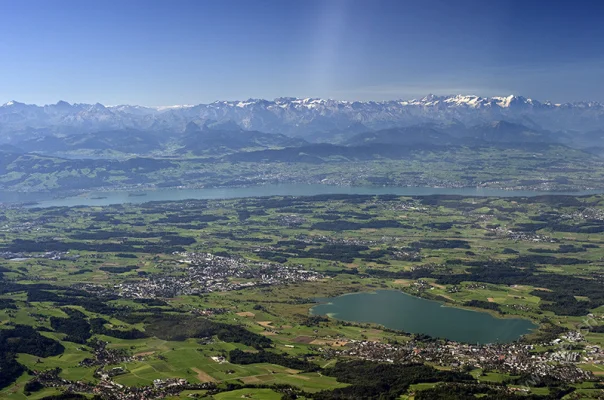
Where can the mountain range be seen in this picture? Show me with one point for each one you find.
(229, 127)
(80, 146)
(300, 117)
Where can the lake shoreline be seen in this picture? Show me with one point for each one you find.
(479, 326)
(444, 303)
(108, 197)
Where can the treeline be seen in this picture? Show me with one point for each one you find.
(440, 244)
(353, 226)
(108, 235)
(118, 269)
(181, 327)
(546, 333)
(334, 252)
(335, 215)
(69, 396)
(151, 302)
(563, 288)
(10, 369)
(184, 218)
(70, 297)
(45, 245)
(521, 269)
(7, 304)
(76, 327)
(441, 226)
(80, 271)
(562, 303)
(552, 222)
(562, 249)
(415, 274)
(244, 215)
(22, 339)
(167, 238)
(487, 305)
(293, 201)
(345, 253)
(126, 255)
(453, 391)
(244, 358)
(32, 386)
(372, 380)
(597, 329)
(551, 260)
(79, 328)
(97, 326)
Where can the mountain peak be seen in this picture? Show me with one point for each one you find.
(192, 127)
(429, 97)
(12, 103)
(504, 124)
(306, 116)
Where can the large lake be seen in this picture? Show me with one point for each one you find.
(397, 310)
(119, 197)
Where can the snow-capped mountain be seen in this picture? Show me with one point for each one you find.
(299, 117)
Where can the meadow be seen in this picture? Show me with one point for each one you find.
(537, 258)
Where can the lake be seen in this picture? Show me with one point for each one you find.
(103, 198)
(397, 310)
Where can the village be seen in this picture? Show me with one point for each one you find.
(49, 255)
(207, 273)
(109, 389)
(510, 358)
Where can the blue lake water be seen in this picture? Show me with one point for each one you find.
(397, 310)
(103, 198)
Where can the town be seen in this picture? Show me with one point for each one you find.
(206, 273)
(512, 358)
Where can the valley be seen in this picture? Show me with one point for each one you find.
(549, 168)
(450, 142)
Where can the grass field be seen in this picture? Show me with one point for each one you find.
(357, 243)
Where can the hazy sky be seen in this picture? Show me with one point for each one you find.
(183, 52)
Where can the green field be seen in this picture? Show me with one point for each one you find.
(536, 258)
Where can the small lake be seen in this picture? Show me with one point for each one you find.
(103, 198)
(397, 310)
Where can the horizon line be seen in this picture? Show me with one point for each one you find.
(293, 98)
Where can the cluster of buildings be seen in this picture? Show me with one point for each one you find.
(22, 226)
(109, 389)
(411, 205)
(588, 213)
(521, 236)
(206, 273)
(104, 356)
(106, 387)
(512, 358)
(291, 220)
(50, 255)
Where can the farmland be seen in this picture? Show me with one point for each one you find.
(212, 297)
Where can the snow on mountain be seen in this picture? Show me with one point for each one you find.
(301, 117)
(175, 107)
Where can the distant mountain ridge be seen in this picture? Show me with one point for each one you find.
(215, 138)
(308, 117)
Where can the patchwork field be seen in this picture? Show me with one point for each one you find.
(129, 298)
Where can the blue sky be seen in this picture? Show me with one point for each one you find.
(184, 52)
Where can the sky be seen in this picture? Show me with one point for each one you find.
(155, 52)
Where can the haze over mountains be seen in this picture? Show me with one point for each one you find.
(225, 127)
(443, 141)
